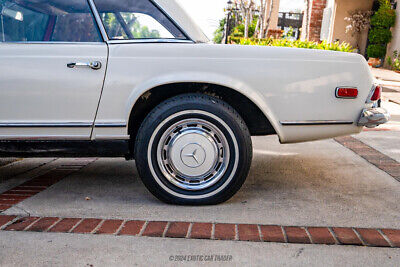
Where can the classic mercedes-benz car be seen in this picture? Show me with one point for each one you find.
(138, 79)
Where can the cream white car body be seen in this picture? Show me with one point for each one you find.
(41, 99)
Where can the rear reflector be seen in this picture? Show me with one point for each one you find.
(346, 92)
(377, 93)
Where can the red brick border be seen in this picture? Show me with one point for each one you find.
(376, 158)
(211, 231)
(40, 183)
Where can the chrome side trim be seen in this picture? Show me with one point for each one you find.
(100, 24)
(110, 125)
(63, 124)
(139, 41)
(44, 125)
(315, 122)
(112, 137)
(44, 137)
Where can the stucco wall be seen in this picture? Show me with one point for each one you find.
(343, 7)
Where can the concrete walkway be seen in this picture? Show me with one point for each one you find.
(47, 249)
(386, 75)
(390, 81)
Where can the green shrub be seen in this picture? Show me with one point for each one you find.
(342, 47)
(219, 33)
(380, 36)
(376, 51)
(238, 31)
(385, 17)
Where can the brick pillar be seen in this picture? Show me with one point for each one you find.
(315, 22)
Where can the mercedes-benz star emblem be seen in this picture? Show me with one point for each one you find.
(193, 155)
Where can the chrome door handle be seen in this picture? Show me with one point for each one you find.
(95, 65)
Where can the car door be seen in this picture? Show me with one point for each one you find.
(52, 68)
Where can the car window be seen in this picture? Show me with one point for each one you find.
(47, 21)
(136, 19)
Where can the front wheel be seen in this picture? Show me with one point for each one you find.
(193, 149)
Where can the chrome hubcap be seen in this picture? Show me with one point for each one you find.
(193, 154)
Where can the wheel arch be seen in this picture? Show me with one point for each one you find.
(258, 122)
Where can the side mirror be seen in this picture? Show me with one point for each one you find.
(12, 14)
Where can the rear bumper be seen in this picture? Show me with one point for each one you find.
(373, 117)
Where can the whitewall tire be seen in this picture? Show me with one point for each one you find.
(193, 149)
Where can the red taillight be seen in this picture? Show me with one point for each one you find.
(377, 93)
(346, 92)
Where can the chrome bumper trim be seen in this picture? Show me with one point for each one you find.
(373, 117)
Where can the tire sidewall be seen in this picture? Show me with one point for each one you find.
(212, 110)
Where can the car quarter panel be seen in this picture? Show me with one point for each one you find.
(286, 84)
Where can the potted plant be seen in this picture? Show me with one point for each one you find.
(380, 34)
(394, 61)
(375, 53)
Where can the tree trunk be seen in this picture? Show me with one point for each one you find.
(256, 32)
(260, 22)
(246, 26)
(306, 34)
(268, 17)
(247, 9)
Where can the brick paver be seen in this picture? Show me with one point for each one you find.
(42, 225)
(248, 232)
(393, 235)
(372, 238)
(21, 224)
(6, 219)
(297, 235)
(86, 226)
(110, 227)
(155, 229)
(321, 235)
(347, 236)
(178, 229)
(65, 225)
(201, 231)
(272, 233)
(132, 228)
(224, 231)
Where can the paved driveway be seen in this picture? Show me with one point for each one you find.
(337, 186)
(288, 185)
